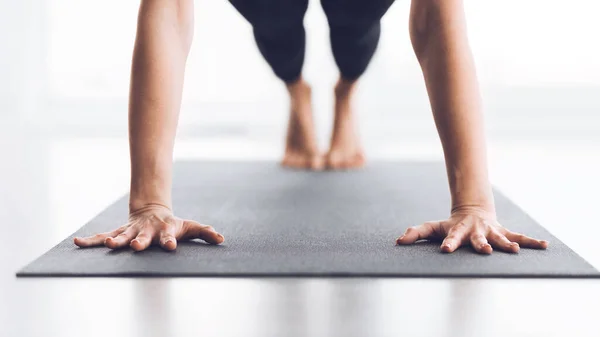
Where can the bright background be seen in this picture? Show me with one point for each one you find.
(68, 64)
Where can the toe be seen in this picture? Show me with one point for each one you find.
(334, 161)
(340, 161)
(298, 161)
(360, 159)
(289, 160)
(355, 161)
(316, 162)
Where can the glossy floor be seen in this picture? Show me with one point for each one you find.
(53, 183)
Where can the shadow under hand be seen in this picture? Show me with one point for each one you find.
(434, 245)
(196, 244)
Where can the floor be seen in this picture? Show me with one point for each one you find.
(52, 183)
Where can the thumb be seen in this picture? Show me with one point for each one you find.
(194, 230)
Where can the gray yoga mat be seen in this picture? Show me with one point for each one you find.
(281, 222)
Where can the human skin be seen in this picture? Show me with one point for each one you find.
(438, 35)
(439, 38)
(163, 40)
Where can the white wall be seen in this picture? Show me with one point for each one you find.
(23, 72)
(78, 56)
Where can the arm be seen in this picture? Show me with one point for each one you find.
(157, 72)
(439, 38)
(438, 34)
(164, 35)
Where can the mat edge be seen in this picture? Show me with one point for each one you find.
(307, 275)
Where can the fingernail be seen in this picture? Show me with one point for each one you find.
(221, 236)
(402, 237)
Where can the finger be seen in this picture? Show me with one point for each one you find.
(456, 237)
(207, 233)
(421, 232)
(96, 240)
(500, 241)
(167, 238)
(141, 241)
(480, 244)
(121, 240)
(525, 241)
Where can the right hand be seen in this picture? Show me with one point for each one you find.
(153, 224)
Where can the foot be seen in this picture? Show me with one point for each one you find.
(345, 151)
(301, 150)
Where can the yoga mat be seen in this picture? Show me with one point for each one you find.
(279, 222)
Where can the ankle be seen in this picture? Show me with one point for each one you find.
(344, 88)
(298, 87)
(300, 96)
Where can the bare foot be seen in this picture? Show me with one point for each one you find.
(345, 151)
(301, 150)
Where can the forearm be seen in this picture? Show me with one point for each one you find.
(159, 57)
(439, 36)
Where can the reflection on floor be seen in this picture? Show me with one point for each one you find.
(51, 185)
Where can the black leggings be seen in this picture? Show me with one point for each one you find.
(278, 25)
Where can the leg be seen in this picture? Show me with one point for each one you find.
(279, 33)
(355, 28)
(280, 36)
(354, 31)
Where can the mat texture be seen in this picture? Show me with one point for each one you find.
(293, 223)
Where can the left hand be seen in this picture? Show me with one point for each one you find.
(474, 226)
(152, 224)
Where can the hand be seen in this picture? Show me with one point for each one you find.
(153, 224)
(473, 226)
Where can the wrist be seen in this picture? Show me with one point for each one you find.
(149, 189)
(479, 198)
(138, 208)
(474, 208)
(144, 196)
(137, 205)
